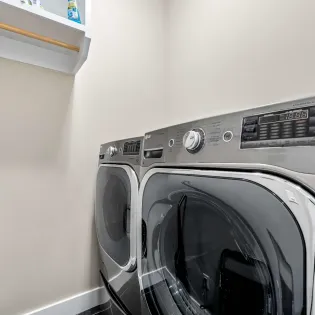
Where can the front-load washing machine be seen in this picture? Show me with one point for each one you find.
(228, 211)
(115, 217)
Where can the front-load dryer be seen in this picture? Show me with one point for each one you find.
(115, 217)
(228, 212)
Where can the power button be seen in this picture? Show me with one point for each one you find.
(171, 143)
(228, 136)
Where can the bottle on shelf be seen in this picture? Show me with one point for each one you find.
(73, 11)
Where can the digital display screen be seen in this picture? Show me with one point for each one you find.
(287, 116)
(268, 119)
(132, 148)
(298, 114)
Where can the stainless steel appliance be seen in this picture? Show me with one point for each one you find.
(115, 217)
(227, 214)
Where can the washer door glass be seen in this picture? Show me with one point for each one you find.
(112, 212)
(220, 245)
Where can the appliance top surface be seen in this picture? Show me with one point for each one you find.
(280, 135)
(125, 151)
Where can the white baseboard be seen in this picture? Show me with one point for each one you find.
(74, 304)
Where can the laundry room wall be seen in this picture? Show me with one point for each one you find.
(51, 128)
(230, 55)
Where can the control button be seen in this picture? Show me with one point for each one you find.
(287, 132)
(227, 136)
(249, 136)
(302, 122)
(301, 128)
(250, 128)
(250, 120)
(193, 140)
(287, 135)
(311, 131)
(287, 126)
(312, 111)
(274, 130)
(111, 151)
(171, 142)
(300, 135)
(263, 130)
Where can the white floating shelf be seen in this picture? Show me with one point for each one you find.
(44, 38)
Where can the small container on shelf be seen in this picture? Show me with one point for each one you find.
(37, 3)
(73, 11)
(26, 2)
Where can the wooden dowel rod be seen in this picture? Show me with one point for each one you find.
(38, 37)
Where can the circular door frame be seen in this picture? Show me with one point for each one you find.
(134, 186)
(271, 182)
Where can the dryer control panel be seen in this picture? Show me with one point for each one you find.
(281, 135)
(122, 151)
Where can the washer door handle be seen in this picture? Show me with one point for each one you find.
(144, 239)
(125, 219)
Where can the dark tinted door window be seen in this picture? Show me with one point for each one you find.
(113, 196)
(220, 246)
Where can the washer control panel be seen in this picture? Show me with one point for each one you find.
(281, 135)
(122, 151)
(295, 127)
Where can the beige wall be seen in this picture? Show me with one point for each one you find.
(228, 55)
(51, 128)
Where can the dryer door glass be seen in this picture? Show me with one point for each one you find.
(112, 212)
(220, 245)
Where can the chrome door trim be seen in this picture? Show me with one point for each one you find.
(305, 179)
(304, 213)
(134, 185)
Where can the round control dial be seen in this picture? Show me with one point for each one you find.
(193, 140)
(111, 151)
